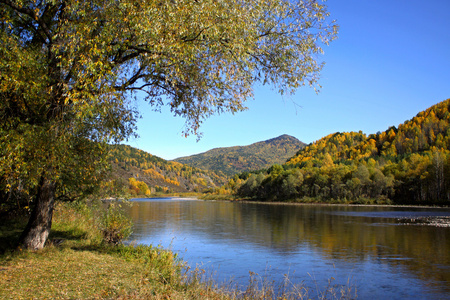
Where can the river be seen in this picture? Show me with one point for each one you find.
(362, 247)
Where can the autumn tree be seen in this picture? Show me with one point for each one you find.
(69, 69)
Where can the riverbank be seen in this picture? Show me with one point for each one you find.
(230, 198)
(78, 264)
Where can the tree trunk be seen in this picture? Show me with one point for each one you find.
(38, 228)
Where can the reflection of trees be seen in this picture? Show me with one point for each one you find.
(327, 229)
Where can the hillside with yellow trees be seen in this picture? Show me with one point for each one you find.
(140, 173)
(408, 164)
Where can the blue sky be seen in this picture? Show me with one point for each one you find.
(390, 61)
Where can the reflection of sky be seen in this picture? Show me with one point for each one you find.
(232, 255)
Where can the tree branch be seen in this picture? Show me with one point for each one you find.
(31, 14)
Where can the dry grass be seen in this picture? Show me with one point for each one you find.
(67, 274)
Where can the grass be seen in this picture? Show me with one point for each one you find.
(67, 274)
(78, 264)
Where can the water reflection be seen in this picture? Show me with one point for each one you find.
(365, 243)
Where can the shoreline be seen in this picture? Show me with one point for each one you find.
(193, 198)
(340, 204)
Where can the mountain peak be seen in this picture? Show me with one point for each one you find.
(259, 155)
(283, 137)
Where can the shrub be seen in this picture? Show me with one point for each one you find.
(115, 226)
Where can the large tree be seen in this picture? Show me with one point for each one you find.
(69, 70)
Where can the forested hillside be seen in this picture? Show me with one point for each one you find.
(408, 164)
(141, 173)
(232, 160)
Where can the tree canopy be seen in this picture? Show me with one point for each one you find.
(69, 70)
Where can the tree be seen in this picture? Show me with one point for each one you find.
(69, 69)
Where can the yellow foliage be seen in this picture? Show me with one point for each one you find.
(138, 187)
(153, 174)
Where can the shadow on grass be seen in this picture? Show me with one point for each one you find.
(67, 234)
(91, 247)
(10, 231)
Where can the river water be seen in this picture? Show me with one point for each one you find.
(358, 246)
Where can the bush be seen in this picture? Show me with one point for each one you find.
(115, 226)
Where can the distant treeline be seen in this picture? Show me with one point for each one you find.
(405, 165)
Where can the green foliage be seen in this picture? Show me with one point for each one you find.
(408, 164)
(232, 160)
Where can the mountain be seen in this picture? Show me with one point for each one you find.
(143, 173)
(232, 160)
(408, 164)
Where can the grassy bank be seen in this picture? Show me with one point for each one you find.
(78, 264)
